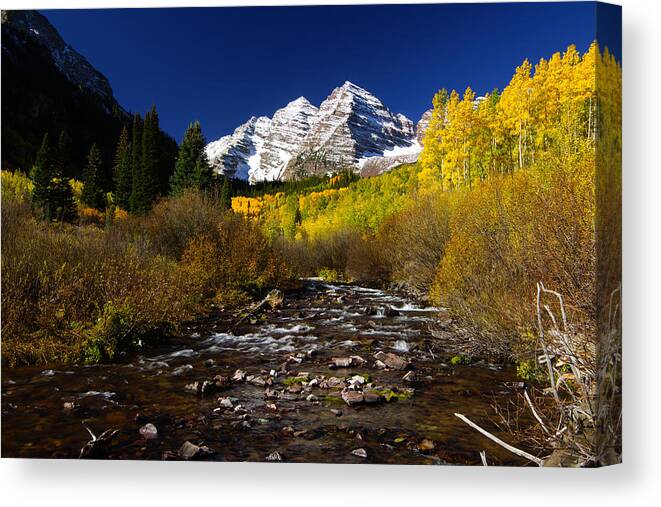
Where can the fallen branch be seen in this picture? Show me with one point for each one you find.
(97, 447)
(497, 440)
(534, 412)
(483, 457)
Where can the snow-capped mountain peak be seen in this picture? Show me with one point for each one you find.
(350, 126)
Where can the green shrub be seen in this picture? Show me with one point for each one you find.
(329, 275)
(530, 372)
(460, 360)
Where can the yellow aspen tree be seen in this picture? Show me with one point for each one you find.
(431, 158)
(515, 107)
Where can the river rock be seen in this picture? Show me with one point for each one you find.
(427, 445)
(271, 394)
(362, 453)
(221, 381)
(188, 451)
(341, 362)
(372, 397)
(239, 376)
(356, 382)
(69, 406)
(149, 431)
(391, 360)
(295, 388)
(258, 381)
(274, 456)
(352, 397)
(331, 383)
(225, 403)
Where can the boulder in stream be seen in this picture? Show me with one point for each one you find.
(352, 397)
(392, 361)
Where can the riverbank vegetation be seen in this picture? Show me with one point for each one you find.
(502, 197)
(86, 292)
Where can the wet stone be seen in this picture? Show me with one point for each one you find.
(274, 456)
(427, 445)
(360, 452)
(392, 361)
(149, 431)
(188, 451)
(372, 397)
(69, 406)
(352, 397)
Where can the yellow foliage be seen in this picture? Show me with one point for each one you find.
(16, 184)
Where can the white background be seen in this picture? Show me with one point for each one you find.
(636, 482)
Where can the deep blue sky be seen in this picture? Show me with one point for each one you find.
(223, 65)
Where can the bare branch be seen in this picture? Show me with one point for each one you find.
(497, 440)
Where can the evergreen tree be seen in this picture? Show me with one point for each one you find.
(145, 179)
(192, 168)
(63, 155)
(122, 171)
(62, 201)
(93, 194)
(42, 174)
(225, 199)
(136, 162)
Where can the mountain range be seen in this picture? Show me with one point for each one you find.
(47, 86)
(351, 128)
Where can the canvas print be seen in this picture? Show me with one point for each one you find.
(341, 234)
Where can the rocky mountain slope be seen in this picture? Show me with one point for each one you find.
(47, 86)
(350, 128)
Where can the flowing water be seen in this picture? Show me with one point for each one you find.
(43, 409)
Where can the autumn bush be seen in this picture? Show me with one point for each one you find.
(507, 234)
(85, 293)
(412, 242)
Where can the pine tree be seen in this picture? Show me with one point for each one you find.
(61, 193)
(122, 173)
(145, 178)
(136, 162)
(42, 174)
(225, 199)
(192, 168)
(93, 194)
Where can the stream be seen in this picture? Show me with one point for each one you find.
(287, 402)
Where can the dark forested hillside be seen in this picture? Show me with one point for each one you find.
(47, 87)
